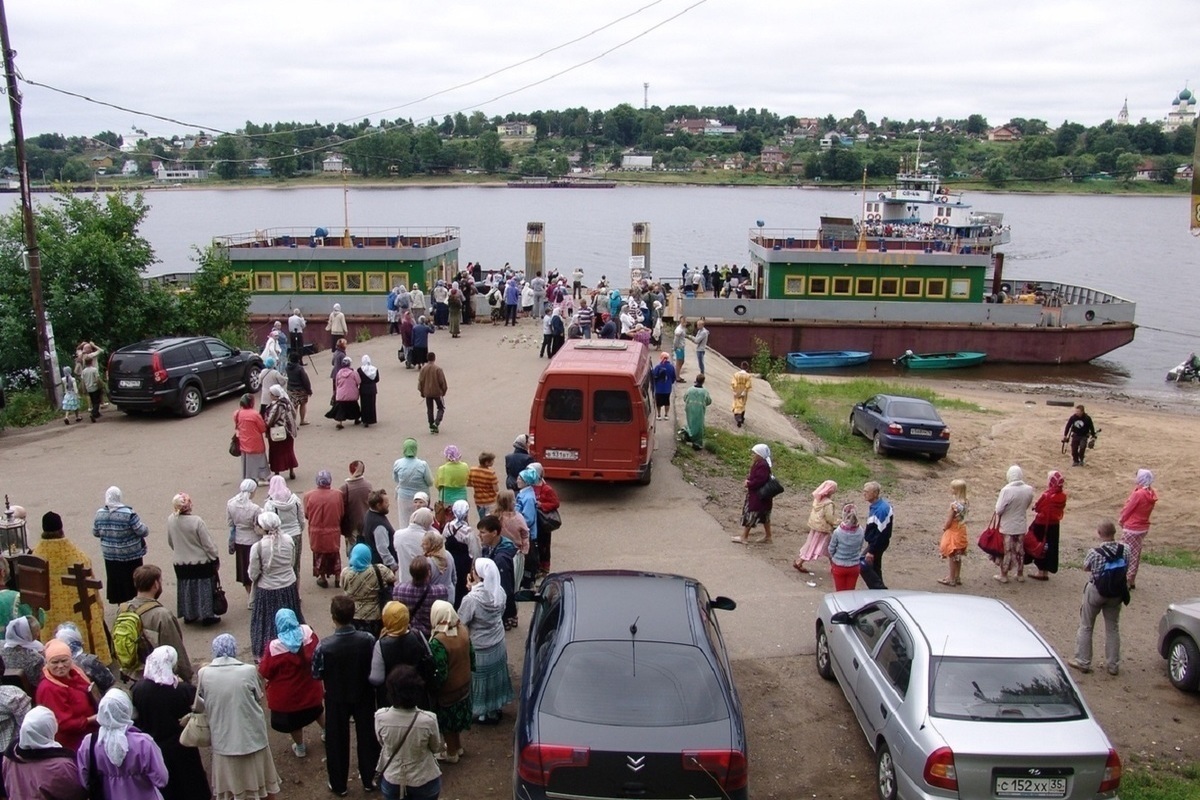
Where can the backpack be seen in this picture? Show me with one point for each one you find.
(1112, 581)
(131, 643)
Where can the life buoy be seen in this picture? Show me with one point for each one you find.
(740, 310)
(941, 198)
(882, 196)
(1089, 315)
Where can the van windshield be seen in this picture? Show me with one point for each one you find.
(612, 405)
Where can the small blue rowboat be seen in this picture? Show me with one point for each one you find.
(949, 360)
(826, 359)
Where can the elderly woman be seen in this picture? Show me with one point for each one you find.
(66, 690)
(122, 536)
(453, 663)
(411, 475)
(481, 611)
(845, 550)
(451, 481)
(69, 634)
(1135, 521)
(1012, 507)
(283, 501)
(368, 391)
(241, 515)
(299, 385)
(756, 510)
(250, 430)
(399, 644)
(196, 562)
(282, 428)
(338, 355)
(442, 569)
(366, 583)
(295, 698)
(121, 759)
(161, 701)
(324, 508)
(527, 507)
(1048, 513)
(822, 519)
(231, 694)
(23, 650)
(408, 739)
(270, 377)
(345, 395)
(336, 325)
(463, 545)
(547, 501)
(38, 766)
(274, 581)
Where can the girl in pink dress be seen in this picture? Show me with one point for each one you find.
(821, 522)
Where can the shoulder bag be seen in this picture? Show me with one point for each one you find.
(379, 772)
(771, 489)
(196, 732)
(235, 449)
(1034, 547)
(991, 541)
(220, 603)
(279, 432)
(548, 521)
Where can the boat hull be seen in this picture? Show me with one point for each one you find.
(955, 360)
(826, 359)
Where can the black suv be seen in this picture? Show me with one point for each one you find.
(179, 373)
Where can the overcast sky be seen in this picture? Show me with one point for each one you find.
(214, 64)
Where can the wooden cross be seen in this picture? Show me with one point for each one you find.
(81, 578)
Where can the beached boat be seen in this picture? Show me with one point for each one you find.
(560, 183)
(918, 268)
(826, 359)
(950, 360)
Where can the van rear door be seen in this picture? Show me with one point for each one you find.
(561, 433)
(613, 431)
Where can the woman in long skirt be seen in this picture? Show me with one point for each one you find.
(453, 660)
(821, 521)
(195, 561)
(481, 611)
(368, 389)
(1048, 510)
(281, 415)
(161, 700)
(274, 581)
(241, 514)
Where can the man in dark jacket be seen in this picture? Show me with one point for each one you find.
(877, 535)
(343, 662)
(516, 461)
(1079, 429)
(503, 552)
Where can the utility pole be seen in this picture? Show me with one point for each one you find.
(645, 95)
(33, 257)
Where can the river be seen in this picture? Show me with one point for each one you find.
(1135, 247)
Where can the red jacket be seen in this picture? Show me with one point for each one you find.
(290, 682)
(72, 705)
(1135, 516)
(547, 498)
(1050, 507)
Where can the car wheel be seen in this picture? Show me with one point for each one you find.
(824, 667)
(1183, 663)
(191, 400)
(936, 456)
(644, 480)
(885, 773)
(253, 378)
(877, 445)
(853, 429)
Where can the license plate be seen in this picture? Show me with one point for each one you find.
(919, 432)
(562, 455)
(1031, 787)
(130, 384)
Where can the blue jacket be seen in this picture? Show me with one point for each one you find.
(664, 377)
(527, 507)
(420, 335)
(878, 532)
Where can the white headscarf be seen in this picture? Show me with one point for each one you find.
(246, 489)
(115, 715)
(764, 452)
(18, 634)
(368, 368)
(112, 498)
(1015, 475)
(489, 573)
(271, 524)
(38, 730)
(160, 666)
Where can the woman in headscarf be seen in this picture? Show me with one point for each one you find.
(368, 390)
(70, 401)
(274, 581)
(271, 347)
(38, 766)
(281, 500)
(122, 536)
(516, 461)
(161, 701)
(1048, 513)
(241, 515)
(845, 550)
(547, 501)
(345, 395)
(66, 690)
(367, 584)
(756, 510)
(822, 518)
(527, 508)
(282, 428)
(69, 634)
(232, 694)
(1012, 506)
(411, 475)
(336, 325)
(299, 385)
(356, 493)
(442, 569)
(251, 431)
(128, 764)
(196, 561)
(324, 508)
(398, 644)
(696, 401)
(463, 545)
(23, 650)
(455, 304)
(417, 298)
(453, 663)
(1135, 521)
(269, 378)
(407, 323)
(481, 611)
(452, 477)
(294, 697)
(408, 740)
(335, 366)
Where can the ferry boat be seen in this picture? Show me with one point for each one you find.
(918, 269)
(560, 183)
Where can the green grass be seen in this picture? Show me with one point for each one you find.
(1178, 558)
(1171, 783)
(26, 408)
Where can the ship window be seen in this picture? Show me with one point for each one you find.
(377, 282)
(864, 286)
(308, 281)
(912, 287)
(960, 289)
(331, 282)
(841, 286)
(399, 279)
(889, 287)
(242, 279)
(935, 287)
(354, 281)
(818, 285)
(285, 282)
(264, 281)
(793, 284)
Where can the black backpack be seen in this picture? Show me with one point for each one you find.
(1113, 580)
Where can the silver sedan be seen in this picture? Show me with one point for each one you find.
(960, 697)
(1178, 635)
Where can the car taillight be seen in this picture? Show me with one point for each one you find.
(160, 374)
(539, 760)
(529, 444)
(642, 442)
(727, 767)
(895, 429)
(939, 769)
(945, 434)
(1112, 773)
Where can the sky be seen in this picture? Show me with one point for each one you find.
(214, 64)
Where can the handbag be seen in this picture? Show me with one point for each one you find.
(548, 521)
(235, 449)
(771, 489)
(278, 432)
(396, 752)
(196, 732)
(1034, 547)
(991, 541)
(220, 603)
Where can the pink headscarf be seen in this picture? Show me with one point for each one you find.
(1055, 480)
(278, 489)
(826, 489)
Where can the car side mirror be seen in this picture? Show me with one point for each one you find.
(721, 603)
(841, 618)
(527, 596)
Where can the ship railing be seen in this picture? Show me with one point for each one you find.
(372, 237)
(1054, 293)
(925, 239)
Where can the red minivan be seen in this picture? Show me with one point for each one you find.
(593, 417)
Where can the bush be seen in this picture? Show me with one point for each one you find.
(363, 335)
(764, 364)
(26, 407)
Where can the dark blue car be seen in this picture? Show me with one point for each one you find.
(901, 424)
(627, 692)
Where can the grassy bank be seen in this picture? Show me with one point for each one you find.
(1172, 782)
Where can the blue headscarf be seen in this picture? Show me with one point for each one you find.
(360, 558)
(269, 362)
(287, 630)
(224, 646)
(528, 475)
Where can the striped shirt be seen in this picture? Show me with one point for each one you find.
(121, 532)
(485, 484)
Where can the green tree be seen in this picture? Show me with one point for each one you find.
(215, 301)
(491, 152)
(1185, 141)
(621, 125)
(1166, 170)
(996, 171)
(228, 151)
(1126, 165)
(76, 171)
(977, 125)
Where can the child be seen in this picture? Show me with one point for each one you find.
(70, 401)
(483, 481)
(954, 533)
(821, 522)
